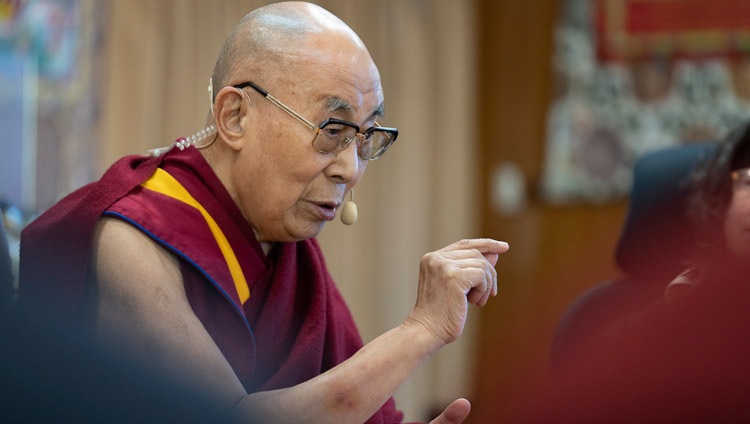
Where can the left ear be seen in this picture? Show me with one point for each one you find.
(231, 109)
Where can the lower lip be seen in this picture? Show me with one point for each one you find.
(326, 214)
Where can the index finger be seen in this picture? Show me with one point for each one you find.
(484, 245)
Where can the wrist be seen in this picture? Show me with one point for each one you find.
(422, 335)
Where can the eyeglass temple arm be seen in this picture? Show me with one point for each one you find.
(273, 100)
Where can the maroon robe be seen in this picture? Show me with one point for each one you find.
(295, 324)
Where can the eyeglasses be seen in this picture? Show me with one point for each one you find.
(741, 179)
(333, 135)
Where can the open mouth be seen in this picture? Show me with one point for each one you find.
(326, 210)
(327, 206)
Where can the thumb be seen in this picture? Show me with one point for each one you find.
(491, 258)
(455, 413)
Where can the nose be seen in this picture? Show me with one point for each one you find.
(346, 164)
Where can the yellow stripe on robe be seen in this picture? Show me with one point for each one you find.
(162, 182)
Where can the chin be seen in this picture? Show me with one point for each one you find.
(304, 231)
(312, 232)
(289, 231)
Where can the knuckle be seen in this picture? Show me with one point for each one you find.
(429, 258)
(463, 244)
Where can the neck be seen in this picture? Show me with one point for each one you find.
(266, 246)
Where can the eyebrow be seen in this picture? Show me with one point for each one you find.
(335, 104)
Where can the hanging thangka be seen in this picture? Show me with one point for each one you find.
(49, 97)
(633, 76)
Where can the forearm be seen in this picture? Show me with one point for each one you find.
(352, 391)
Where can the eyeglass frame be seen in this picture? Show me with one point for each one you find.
(738, 174)
(391, 132)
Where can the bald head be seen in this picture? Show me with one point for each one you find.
(268, 39)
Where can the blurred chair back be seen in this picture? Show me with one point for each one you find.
(656, 238)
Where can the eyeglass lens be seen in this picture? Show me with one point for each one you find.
(742, 179)
(334, 137)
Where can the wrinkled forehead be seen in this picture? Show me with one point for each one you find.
(335, 72)
(350, 93)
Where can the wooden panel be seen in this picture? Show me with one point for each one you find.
(556, 252)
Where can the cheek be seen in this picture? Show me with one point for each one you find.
(737, 225)
(289, 150)
(361, 171)
(279, 155)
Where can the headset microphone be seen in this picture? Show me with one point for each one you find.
(349, 212)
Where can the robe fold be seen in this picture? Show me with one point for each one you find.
(278, 319)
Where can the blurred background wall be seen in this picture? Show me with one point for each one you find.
(495, 101)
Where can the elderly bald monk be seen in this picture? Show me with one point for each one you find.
(202, 259)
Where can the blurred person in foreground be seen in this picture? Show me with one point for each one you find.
(684, 358)
(202, 259)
